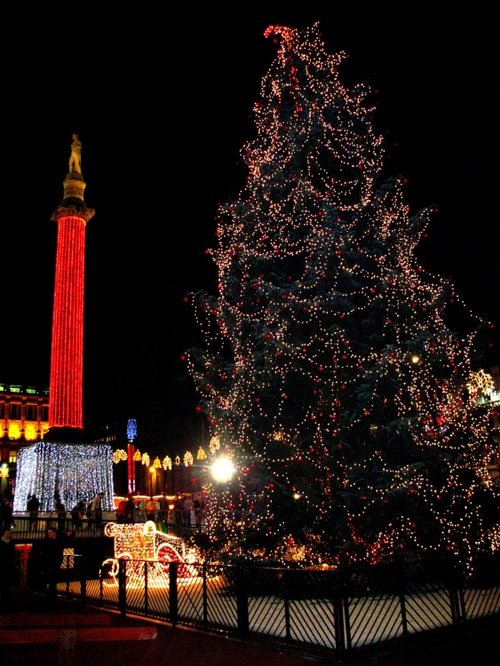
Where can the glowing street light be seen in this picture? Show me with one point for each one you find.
(151, 471)
(222, 469)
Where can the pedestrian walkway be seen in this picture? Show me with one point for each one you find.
(474, 644)
(171, 646)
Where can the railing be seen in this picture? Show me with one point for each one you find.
(26, 530)
(316, 611)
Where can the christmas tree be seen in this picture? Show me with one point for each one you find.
(331, 376)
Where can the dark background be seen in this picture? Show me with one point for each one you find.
(161, 98)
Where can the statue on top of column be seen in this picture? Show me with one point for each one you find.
(75, 160)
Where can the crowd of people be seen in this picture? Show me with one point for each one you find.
(83, 511)
(183, 511)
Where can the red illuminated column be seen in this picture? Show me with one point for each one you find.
(131, 467)
(66, 369)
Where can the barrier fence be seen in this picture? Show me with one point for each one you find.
(26, 529)
(314, 610)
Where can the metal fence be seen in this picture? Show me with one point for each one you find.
(26, 529)
(321, 611)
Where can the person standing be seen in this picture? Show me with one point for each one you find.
(77, 514)
(178, 509)
(130, 510)
(61, 514)
(141, 510)
(187, 507)
(52, 557)
(33, 506)
(96, 510)
(198, 507)
(121, 511)
(151, 509)
(6, 516)
(9, 570)
(162, 513)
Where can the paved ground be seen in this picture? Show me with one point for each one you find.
(475, 644)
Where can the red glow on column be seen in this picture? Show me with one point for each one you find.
(66, 372)
(131, 468)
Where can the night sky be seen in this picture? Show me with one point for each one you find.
(162, 103)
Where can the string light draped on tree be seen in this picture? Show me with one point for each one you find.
(330, 376)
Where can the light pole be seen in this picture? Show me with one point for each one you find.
(222, 469)
(151, 472)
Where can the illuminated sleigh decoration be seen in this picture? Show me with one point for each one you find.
(149, 553)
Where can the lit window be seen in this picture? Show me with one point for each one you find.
(14, 430)
(30, 432)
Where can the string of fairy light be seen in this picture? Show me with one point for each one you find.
(74, 471)
(166, 463)
(320, 294)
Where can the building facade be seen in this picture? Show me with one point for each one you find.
(24, 418)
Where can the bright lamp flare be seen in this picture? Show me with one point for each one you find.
(222, 469)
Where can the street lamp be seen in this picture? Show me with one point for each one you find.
(222, 469)
(4, 474)
(151, 471)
